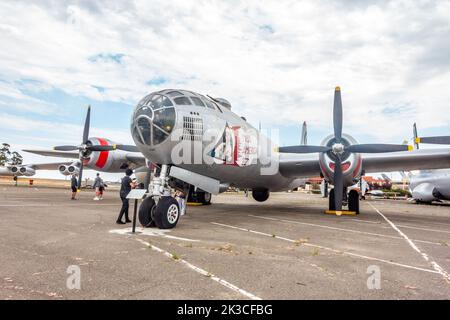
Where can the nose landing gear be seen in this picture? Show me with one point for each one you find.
(160, 209)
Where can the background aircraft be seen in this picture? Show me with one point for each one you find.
(173, 122)
(429, 185)
(29, 170)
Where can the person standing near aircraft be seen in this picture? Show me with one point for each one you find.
(98, 186)
(74, 186)
(125, 188)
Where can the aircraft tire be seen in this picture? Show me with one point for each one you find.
(146, 212)
(353, 201)
(205, 198)
(260, 195)
(331, 205)
(167, 213)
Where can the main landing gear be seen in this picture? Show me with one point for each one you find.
(351, 199)
(160, 209)
(198, 196)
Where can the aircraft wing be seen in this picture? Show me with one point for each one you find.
(46, 166)
(299, 165)
(405, 161)
(307, 165)
(137, 159)
(54, 153)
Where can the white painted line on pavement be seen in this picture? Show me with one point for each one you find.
(342, 229)
(404, 226)
(433, 263)
(326, 248)
(202, 271)
(150, 232)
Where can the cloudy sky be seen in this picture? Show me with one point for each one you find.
(277, 62)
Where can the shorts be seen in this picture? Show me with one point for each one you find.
(74, 189)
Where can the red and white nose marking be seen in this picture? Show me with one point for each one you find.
(103, 156)
(345, 166)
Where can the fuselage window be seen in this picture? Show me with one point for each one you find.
(197, 101)
(182, 101)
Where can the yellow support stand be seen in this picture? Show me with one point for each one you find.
(338, 213)
(194, 204)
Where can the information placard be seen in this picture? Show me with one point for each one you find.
(137, 194)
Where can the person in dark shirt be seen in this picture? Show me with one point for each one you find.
(125, 188)
(74, 186)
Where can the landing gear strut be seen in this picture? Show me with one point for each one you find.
(352, 199)
(160, 209)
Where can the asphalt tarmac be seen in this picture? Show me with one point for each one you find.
(285, 248)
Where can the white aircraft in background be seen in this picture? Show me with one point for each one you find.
(427, 186)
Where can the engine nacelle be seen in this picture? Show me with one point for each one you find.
(425, 192)
(351, 162)
(100, 160)
(23, 171)
(69, 170)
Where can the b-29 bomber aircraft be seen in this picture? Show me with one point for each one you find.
(198, 140)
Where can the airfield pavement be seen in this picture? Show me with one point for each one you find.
(236, 248)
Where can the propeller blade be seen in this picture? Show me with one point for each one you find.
(101, 148)
(377, 148)
(303, 149)
(80, 176)
(126, 147)
(415, 136)
(87, 124)
(304, 137)
(338, 184)
(434, 140)
(337, 114)
(66, 148)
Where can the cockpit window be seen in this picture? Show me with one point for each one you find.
(154, 121)
(174, 94)
(209, 104)
(197, 101)
(182, 101)
(166, 102)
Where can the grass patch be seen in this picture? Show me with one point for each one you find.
(299, 242)
(315, 252)
(175, 256)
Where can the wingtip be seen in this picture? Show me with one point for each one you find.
(337, 89)
(410, 148)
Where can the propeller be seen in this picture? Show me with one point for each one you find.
(429, 140)
(415, 136)
(433, 140)
(87, 146)
(338, 148)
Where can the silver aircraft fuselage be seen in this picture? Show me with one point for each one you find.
(431, 185)
(168, 124)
